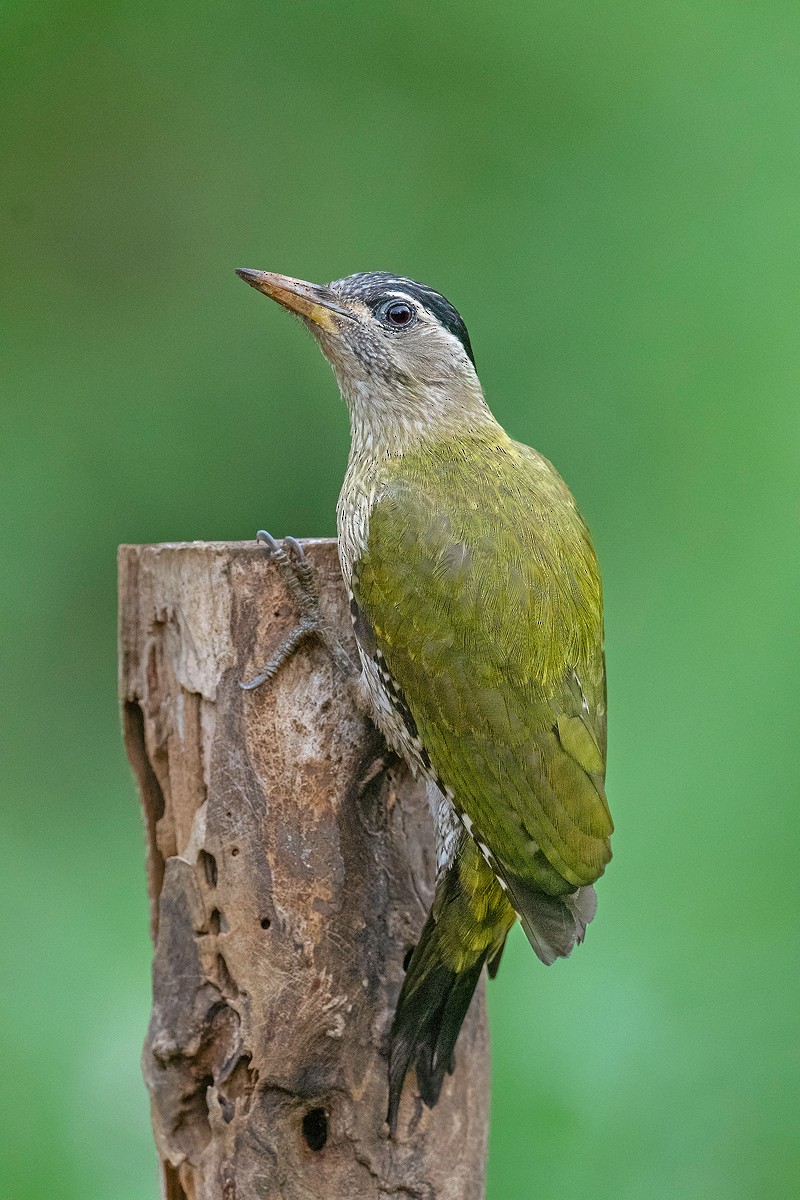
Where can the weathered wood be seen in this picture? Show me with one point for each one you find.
(290, 871)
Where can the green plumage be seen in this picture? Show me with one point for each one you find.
(481, 586)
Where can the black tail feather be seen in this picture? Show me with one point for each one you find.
(430, 1012)
(435, 995)
(493, 965)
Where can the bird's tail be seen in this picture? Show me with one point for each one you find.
(468, 922)
(553, 925)
(467, 925)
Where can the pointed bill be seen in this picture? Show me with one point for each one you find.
(314, 302)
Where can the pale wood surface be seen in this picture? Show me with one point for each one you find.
(289, 872)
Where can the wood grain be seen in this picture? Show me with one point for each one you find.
(290, 868)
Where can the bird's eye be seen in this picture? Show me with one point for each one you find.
(398, 314)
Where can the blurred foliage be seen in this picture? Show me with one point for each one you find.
(609, 193)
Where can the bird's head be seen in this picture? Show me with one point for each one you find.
(400, 352)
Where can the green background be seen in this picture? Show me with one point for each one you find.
(609, 193)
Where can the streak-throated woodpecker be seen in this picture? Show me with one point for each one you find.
(477, 608)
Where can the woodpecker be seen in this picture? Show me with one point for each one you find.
(477, 608)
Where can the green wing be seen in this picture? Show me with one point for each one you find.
(481, 585)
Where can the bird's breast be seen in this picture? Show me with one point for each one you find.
(357, 499)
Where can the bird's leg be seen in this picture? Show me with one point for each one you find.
(299, 578)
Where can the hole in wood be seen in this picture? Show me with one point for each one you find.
(237, 1082)
(227, 983)
(315, 1128)
(173, 1187)
(265, 922)
(209, 865)
(152, 795)
(153, 802)
(234, 851)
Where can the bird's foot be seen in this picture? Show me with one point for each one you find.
(298, 575)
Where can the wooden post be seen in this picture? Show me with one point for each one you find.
(290, 870)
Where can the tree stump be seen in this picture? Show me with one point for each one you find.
(290, 868)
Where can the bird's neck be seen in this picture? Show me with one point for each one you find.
(390, 426)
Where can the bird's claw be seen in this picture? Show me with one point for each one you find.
(291, 560)
(266, 539)
(276, 550)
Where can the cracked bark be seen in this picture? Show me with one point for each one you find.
(287, 879)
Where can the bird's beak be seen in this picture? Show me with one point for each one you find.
(310, 300)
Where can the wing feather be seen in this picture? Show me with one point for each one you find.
(482, 588)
